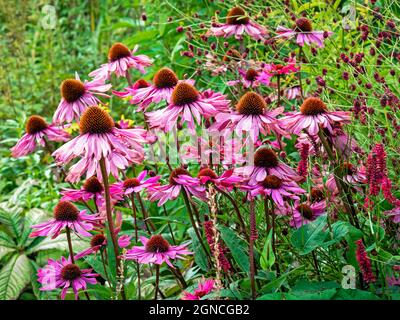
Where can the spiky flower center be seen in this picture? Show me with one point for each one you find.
(72, 90)
(272, 182)
(35, 124)
(207, 172)
(251, 103)
(66, 211)
(95, 120)
(175, 173)
(157, 244)
(118, 51)
(131, 183)
(237, 16)
(165, 78)
(313, 106)
(303, 25)
(184, 93)
(317, 194)
(97, 240)
(93, 185)
(251, 75)
(70, 272)
(141, 83)
(305, 211)
(265, 158)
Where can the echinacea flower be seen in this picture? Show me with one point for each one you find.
(293, 92)
(130, 93)
(164, 82)
(267, 163)
(133, 185)
(124, 241)
(248, 78)
(98, 242)
(304, 34)
(350, 174)
(185, 102)
(237, 23)
(120, 60)
(216, 99)
(227, 180)
(179, 179)
(156, 250)
(275, 188)
(99, 138)
(251, 116)
(304, 213)
(204, 287)
(66, 214)
(91, 189)
(64, 274)
(271, 70)
(313, 114)
(37, 131)
(76, 96)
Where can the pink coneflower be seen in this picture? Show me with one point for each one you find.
(266, 163)
(271, 70)
(130, 92)
(179, 178)
(313, 113)
(99, 138)
(37, 131)
(204, 287)
(156, 250)
(276, 188)
(164, 82)
(91, 189)
(133, 185)
(120, 60)
(293, 92)
(216, 99)
(304, 213)
(124, 241)
(248, 78)
(66, 214)
(237, 23)
(185, 102)
(351, 174)
(76, 96)
(304, 33)
(226, 181)
(64, 274)
(98, 242)
(364, 263)
(251, 116)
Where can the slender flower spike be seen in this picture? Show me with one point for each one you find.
(238, 23)
(304, 34)
(64, 275)
(364, 262)
(179, 178)
(133, 185)
(304, 213)
(204, 287)
(267, 163)
(66, 214)
(91, 189)
(37, 130)
(120, 60)
(276, 188)
(76, 96)
(185, 102)
(313, 114)
(251, 116)
(156, 250)
(100, 138)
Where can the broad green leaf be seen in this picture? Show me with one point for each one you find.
(200, 257)
(267, 258)
(11, 218)
(14, 277)
(307, 290)
(238, 248)
(354, 294)
(32, 217)
(275, 284)
(340, 230)
(78, 244)
(310, 236)
(95, 262)
(310, 5)
(5, 250)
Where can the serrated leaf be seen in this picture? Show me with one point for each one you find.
(14, 277)
(237, 247)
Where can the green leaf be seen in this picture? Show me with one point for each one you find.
(11, 218)
(267, 258)
(97, 265)
(307, 290)
(237, 246)
(340, 230)
(354, 294)
(14, 277)
(310, 236)
(200, 257)
(275, 284)
(59, 243)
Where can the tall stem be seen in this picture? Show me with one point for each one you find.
(157, 280)
(147, 221)
(253, 237)
(71, 252)
(128, 78)
(110, 221)
(273, 215)
(136, 240)
(299, 73)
